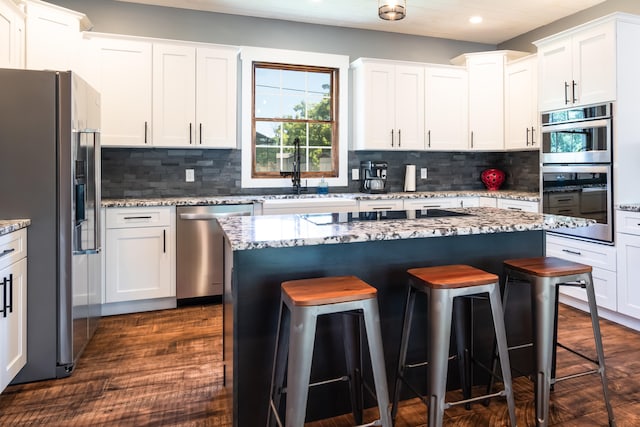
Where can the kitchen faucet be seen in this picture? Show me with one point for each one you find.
(295, 174)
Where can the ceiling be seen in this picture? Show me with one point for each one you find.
(502, 19)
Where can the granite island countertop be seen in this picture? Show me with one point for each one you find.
(232, 200)
(10, 225)
(629, 207)
(274, 231)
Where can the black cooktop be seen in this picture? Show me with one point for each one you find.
(336, 218)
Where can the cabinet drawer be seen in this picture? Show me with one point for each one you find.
(380, 205)
(563, 199)
(518, 205)
(138, 217)
(593, 254)
(432, 203)
(628, 222)
(13, 247)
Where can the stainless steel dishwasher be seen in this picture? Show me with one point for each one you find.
(199, 242)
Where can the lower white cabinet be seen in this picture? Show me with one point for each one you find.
(628, 244)
(13, 308)
(140, 254)
(603, 260)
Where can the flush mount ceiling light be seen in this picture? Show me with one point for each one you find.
(392, 10)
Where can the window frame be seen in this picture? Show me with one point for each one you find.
(251, 55)
(335, 124)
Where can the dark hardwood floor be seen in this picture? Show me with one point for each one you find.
(164, 368)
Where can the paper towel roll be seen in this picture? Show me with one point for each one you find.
(410, 178)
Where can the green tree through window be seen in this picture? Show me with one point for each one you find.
(294, 102)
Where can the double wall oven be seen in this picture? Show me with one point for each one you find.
(576, 174)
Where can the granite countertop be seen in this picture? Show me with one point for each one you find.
(10, 225)
(629, 207)
(273, 231)
(233, 200)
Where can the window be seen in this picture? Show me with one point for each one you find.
(288, 95)
(294, 103)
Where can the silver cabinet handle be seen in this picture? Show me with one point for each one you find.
(514, 209)
(471, 139)
(146, 127)
(190, 134)
(392, 137)
(399, 137)
(532, 138)
(429, 138)
(200, 133)
(382, 208)
(137, 217)
(573, 91)
(527, 137)
(164, 241)
(566, 95)
(7, 252)
(572, 252)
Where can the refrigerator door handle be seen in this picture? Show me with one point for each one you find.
(88, 194)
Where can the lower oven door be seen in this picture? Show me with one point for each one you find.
(583, 191)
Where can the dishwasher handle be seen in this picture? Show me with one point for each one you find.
(209, 216)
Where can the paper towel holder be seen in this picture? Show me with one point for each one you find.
(410, 178)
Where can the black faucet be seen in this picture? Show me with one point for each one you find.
(295, 174)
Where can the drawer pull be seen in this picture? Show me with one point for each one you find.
(514, 209)
(572, 252)
(137, 217)
(565, 200)
(7, 252)
(382, 208)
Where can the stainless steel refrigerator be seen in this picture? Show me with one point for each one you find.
(50, 173)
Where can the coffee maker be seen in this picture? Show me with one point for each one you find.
(373, 176)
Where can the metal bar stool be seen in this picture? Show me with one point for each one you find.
(442, 284)
(545, 274)
(302, 302)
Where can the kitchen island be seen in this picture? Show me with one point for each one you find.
(263, 251)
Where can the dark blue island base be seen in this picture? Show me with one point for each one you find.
(252, 302)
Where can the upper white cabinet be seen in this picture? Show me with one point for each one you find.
(521, 104)
(11, 35)
(446, 111)
(53, 38)
(194, 96)
(123, 76)
(388, 105)
(578, 67)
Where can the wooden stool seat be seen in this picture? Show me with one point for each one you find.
(547, 266)
(452, 276)
(327, 290)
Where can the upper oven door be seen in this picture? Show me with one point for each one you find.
(577, 142)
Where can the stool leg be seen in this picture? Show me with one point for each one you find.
(543, 299)
(404, 344)
(353, 355)
(302, 337)
(279, 364)
(376, 351)
(494, 354)
(440, 313)
(501, 341)
(461, 327)
(593, 309)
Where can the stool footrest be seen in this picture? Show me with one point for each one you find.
(475, 399)
(343, 378)
(579, 374)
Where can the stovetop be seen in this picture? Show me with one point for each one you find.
(337, 218)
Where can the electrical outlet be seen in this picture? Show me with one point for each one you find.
(423, 173)
(189, 175)
(355, 174)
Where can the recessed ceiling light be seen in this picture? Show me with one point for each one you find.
(475, 19)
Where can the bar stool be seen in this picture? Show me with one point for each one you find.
(545, 274)
(442, 284)
(302, 301)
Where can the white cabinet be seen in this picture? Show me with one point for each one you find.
(11, 35)
(603, 260)
(628, 245)
(123, 77)
(518, 205)
(13, 311)
(194, 96)
(521, 104)
(389, 105)
(53, 38)
(578, 67)
(139, 254)
(446, 108)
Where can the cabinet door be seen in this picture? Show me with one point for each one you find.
(13, 327)
(486, 102)
(521, 107)
(594, 65)
(554, 67)
(446, 108)
(216, 97)
(138, 264)
(11, 36)
(124, 77)
(379, 104)
(604, 285)
(409, 111)
(628, 272)
(174, 89)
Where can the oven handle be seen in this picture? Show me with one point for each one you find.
(576, 125)
(573, 168)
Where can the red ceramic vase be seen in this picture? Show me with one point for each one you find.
(492, 179)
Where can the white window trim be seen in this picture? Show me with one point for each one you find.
(249, 55)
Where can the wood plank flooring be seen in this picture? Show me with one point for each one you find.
(164, 369)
